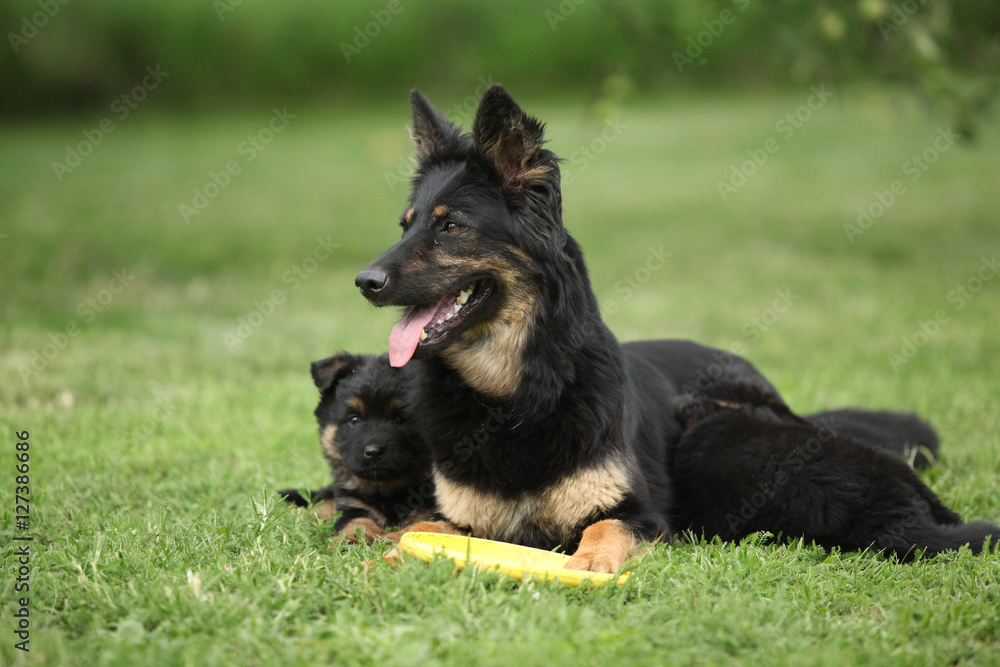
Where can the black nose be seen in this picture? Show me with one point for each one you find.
(374, 451)
(371, 281)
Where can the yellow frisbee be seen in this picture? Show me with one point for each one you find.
(513, 560)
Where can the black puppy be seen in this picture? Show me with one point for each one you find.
(902, 434)
(381, 468)
(748, 464)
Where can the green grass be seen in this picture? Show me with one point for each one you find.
(156, 448)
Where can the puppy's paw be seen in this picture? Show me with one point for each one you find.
(443, 527)
(325, 510)
(394, 557)
(360, 530)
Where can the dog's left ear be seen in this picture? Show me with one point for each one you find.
(326, 373)
(510, 140)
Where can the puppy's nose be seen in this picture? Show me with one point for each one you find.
(374, 451)
(372, 281)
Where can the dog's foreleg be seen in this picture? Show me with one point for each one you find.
(604, 547)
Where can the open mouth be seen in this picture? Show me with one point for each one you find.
(430, 323)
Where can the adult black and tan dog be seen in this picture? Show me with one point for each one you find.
(544, 430)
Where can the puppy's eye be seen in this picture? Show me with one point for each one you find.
(400, 419)
(354, 419)
(453, 227)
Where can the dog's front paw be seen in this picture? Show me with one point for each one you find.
(604, 547)
(594, 562)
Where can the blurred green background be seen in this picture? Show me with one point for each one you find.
(66, 57)
(188, 188)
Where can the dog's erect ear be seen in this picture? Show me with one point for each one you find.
(433, 134)
(509, 139)
(328, 372)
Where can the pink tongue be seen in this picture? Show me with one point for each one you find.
(405, 335)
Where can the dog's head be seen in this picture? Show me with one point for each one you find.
(362, 421)
(484, 211)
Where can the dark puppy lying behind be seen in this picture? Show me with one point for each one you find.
(902, 434)
(747, 464)
(381, 469)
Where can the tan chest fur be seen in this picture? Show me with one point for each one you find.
(557, 511)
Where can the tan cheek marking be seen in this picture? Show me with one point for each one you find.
(327, 440)
(490, 356)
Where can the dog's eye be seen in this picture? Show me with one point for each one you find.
(453, 227)
(354, 419)
(400, 419)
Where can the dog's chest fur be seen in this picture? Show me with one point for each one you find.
(554, 513)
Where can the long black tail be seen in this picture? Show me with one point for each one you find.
(899, 433)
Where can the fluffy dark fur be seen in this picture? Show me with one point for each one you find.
(381, 467)
(544, 430)
(747, 464)
(898, 433)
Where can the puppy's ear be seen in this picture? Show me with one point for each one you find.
(510, 140)
(328, 372)
(433, 134)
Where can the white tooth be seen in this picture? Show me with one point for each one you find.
(449, 316)
(457, 308)
(463, 296)
(423, 335)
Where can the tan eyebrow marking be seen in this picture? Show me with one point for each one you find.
(409, 216)
(356, 403)
(440, 212)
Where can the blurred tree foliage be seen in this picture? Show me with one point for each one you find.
(68, 55)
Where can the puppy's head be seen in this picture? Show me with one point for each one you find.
(362, 423)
